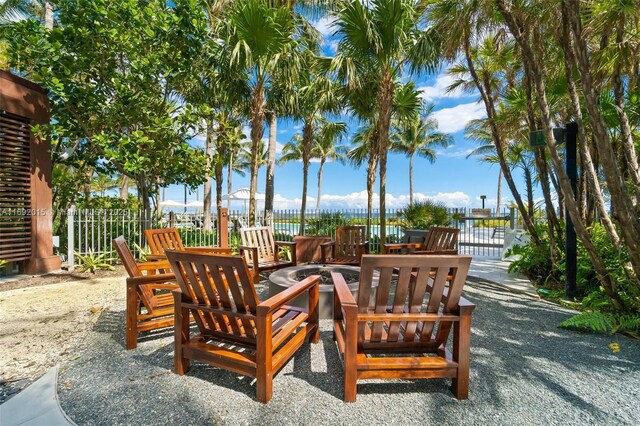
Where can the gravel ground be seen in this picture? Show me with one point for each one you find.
(524, 370)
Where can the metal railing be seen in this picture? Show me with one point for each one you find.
(92, 230)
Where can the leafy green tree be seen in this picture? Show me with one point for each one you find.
(109, 69)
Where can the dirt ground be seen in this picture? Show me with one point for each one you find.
(43, 318)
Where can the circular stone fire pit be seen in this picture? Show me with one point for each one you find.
(284, 278)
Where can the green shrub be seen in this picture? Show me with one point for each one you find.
(424, 215)
(92, 262)
(325, 224)
(109, 203)
(535, 261)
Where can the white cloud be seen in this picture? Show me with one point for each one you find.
(325, 25)
(452, 120)
(439, 89)
(358, 200)
(453, 153)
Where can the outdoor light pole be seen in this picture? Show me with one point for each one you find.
(483, 197)
(569, 136)
(571, 248)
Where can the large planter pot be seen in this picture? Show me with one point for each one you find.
(308, 248)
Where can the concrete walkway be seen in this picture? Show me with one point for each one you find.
(36, 405)
(496, 271)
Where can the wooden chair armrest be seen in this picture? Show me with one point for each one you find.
(448, 251)
(151, 279)
(154, 265)
(327, 243)
(209, 250)
(400, 246)
(419, 316)
(155, 257)
(285, 243)
(466, 307)
(342, 291)
(275, 302)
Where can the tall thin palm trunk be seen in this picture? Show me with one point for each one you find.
(411, 180)
(322, 161)
(499, 195)
(271, 165)
(385, 99)
(257, 131)
(124, 187)
(48, 15)
(208, 148)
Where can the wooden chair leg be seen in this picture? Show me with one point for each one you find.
(264, 364)
(133, 304)
(314, 318)
(350, 360)
(461, 354)
(181, 335)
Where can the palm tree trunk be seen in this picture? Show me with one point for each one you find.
(124, 187)
(229, 177)
(320, 184)
(487, 97)
(208, 148)
(257, 131)
(384, 103)
(628, 145)
(411, 180)
(271, 165)
(587, 160)
(620, 199)
(307, 140)
(565, 185)
(372, 164)
(48, 15)
(499, 196)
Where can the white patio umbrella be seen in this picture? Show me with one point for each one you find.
(242, 194)
(196, 204)
(170, 203)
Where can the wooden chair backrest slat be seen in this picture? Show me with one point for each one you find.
(428, 283)
(160, 240)
(441, 238)
(348, 240)
(262, 238)
(218, 281)
(131, 266)
(126, 257)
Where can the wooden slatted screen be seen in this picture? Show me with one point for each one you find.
(15, 188)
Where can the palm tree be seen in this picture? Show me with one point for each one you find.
(419, 137)
(379, 41)
(294, 151)
(260, 37)
(365, 150)
(326, 148)
(101, 183)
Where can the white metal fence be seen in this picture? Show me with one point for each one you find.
(93, 230)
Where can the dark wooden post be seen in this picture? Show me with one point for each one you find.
(29, 225)
(223, 227)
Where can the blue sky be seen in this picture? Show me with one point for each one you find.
(452, 179)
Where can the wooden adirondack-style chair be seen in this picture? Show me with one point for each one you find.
(348, 247)
(262, 253)
(425, 302)
(439, 240)
(237, 331)
(160, 240)
(147, 307)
